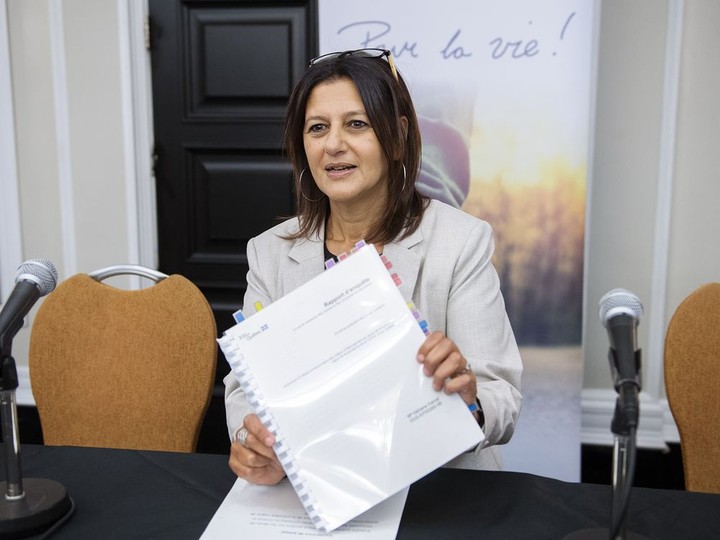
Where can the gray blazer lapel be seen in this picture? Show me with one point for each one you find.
(305, 261)
(405, 262)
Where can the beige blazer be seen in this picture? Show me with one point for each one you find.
(446, 269)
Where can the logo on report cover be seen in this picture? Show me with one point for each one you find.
(247, 336)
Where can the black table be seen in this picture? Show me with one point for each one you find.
(130, 494)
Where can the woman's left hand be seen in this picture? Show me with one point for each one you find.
(443, 361)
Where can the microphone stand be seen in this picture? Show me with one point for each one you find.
(624, 427)
(34, 506)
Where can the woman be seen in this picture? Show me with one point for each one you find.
(352, 136)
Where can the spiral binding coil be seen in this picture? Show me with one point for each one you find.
(282, 449)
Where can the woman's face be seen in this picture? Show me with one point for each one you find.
(343, 153)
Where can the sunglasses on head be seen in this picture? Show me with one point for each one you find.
(363, 53)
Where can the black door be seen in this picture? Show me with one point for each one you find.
(222, 72)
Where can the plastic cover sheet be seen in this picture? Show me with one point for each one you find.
(331, 370)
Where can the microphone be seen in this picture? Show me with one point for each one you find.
(34, 278)
(33, 505)
(620, 312)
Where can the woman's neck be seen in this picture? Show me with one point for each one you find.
(345, 228)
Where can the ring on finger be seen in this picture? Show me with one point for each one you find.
(463, 371)
(242, 435)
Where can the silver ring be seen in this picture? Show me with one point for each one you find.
(466, 369)
(242, 435)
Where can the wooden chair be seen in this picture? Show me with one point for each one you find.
(123, 369)
(692, 382)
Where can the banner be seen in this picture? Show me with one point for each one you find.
(502, 91)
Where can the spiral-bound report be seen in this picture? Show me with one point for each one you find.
(331, 370)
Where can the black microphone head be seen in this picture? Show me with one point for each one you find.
(42, 272)
(617, 302)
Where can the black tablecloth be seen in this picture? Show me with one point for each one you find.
(131, 494)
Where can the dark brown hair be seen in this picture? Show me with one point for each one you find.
(386, 102)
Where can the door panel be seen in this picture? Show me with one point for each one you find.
(222, 72)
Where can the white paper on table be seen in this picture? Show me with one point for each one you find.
(275, 513)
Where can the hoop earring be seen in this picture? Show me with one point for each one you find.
(404, 177)
(303, 193)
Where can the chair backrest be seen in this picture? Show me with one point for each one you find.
(123, 368)
(692, 382)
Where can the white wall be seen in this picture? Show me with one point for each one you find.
(653, 225)
(83, 166)
(72, 84)
(694, 241)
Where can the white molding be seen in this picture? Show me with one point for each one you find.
(10, 224)
(137, 135)
(654, 381)
(592, 126)
(62, 137)
(656, 427)
(23, 394)
(141, 92)
(128, 128)
(670, 430)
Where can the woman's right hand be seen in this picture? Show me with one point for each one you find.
(255, 460)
